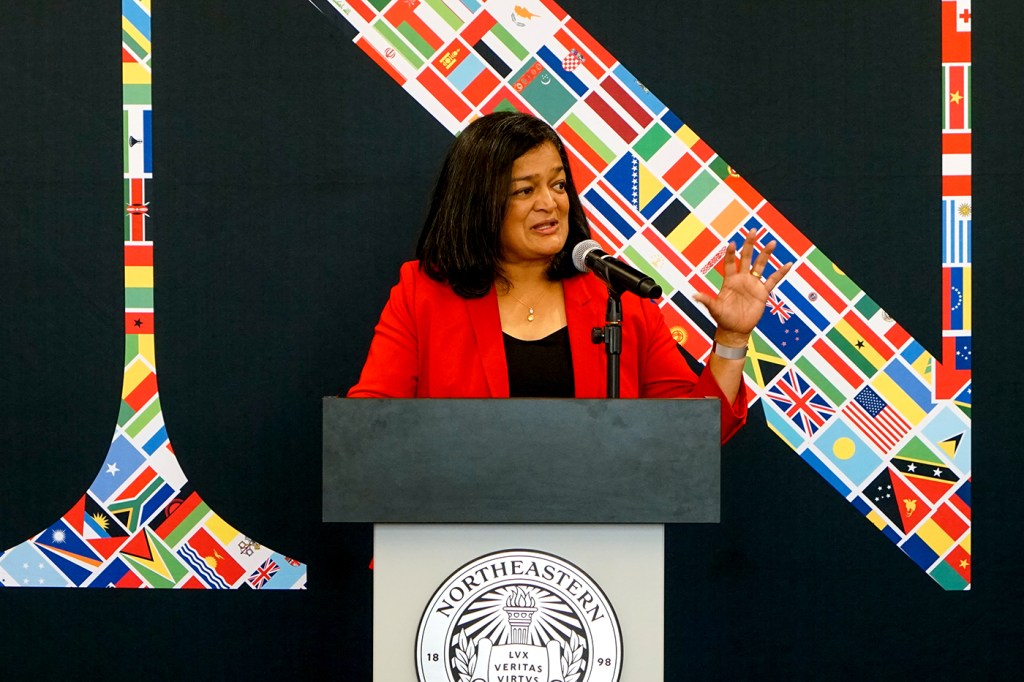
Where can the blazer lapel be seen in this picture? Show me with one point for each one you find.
(584, 311)
(483, 313)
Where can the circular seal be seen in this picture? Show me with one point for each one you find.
(519, 616)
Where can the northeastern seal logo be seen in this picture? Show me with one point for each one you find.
(519, 616)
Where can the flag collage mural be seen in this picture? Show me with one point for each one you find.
(885, 422)
(141, 524)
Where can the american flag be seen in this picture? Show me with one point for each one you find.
(883, 425)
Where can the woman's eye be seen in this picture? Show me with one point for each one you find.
(522, 191)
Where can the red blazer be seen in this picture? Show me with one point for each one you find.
(432, 343)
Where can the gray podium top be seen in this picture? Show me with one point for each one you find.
(521, 461)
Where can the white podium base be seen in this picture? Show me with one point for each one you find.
(421, 565)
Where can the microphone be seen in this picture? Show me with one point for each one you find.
(587, 256)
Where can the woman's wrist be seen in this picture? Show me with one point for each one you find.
(731, 339)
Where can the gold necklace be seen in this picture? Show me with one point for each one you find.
(529, 318)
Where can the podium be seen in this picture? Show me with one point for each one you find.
(519, 537)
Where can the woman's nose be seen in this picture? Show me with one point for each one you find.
(545, 199)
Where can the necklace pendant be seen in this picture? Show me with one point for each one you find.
(529, 318)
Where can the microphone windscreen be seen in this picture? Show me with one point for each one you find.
(580, 251)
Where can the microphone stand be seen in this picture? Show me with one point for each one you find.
(611, 336)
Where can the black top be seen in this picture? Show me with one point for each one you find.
(541, 368)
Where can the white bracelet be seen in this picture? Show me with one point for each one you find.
(729, 352)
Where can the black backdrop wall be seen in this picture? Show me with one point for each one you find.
(290, 179)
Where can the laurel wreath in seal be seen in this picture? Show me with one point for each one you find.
(465, 657)
(572, 659)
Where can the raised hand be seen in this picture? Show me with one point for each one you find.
(741, 301)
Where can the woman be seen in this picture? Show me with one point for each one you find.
(495, 308)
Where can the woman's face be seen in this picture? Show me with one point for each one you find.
(536, 222)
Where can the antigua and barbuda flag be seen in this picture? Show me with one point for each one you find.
(100, 528)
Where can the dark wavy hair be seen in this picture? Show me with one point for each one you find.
(460, 243)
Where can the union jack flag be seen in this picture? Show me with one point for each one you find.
(777, 307)
(800, 402)
(262, 575)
